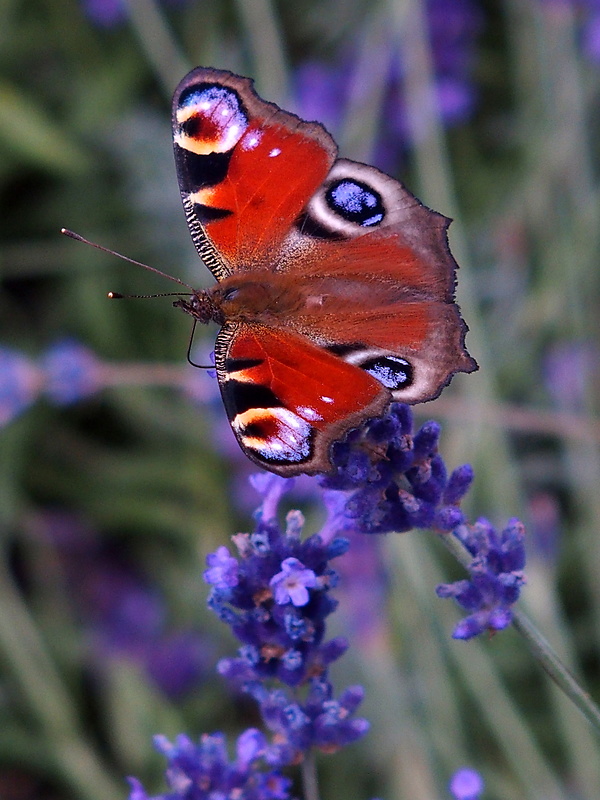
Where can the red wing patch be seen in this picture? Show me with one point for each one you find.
(288, 399)
(246, 169)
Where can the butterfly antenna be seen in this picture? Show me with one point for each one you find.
(119, 296)
(115, 295)
(189, 351)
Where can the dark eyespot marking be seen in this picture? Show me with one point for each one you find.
(240, 364)
(241, 396)
(193, 127)
(205, 214)
(393, 372)
(257, 430)
(342, 350)
(355, 202)
(210, 95)
(309, 226)
(199, 171)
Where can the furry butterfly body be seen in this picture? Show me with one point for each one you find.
(335, 287)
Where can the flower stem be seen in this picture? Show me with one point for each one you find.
(310, 782)
(556, 669)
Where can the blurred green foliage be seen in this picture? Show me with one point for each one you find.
(85, 143)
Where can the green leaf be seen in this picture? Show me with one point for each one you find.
(27, 130)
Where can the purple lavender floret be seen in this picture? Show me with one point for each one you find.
(275, 596)
(222, 570)
(496, 577)
(318, 721)
(397, 478)
(204, 771)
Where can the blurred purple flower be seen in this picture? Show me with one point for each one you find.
(544, 535)
(204, 771)
(456, 100)
(363, 591)
(200, 388)
(72, 372)
(321, 89)
(496, 577)
(177, 662)
(105, 13)
(109, 13)
(590, 39)
(20, 384)
(124, 616)
(587, 20)
(466, 784)
(571, 371)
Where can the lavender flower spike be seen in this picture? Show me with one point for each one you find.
(276, 596)
(496, 577)
(397, 478)
(203, 771)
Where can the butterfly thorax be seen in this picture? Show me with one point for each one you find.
(245, 298)
(201, 307)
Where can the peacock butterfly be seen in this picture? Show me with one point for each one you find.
(335, 284)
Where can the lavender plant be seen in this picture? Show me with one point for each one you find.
(275, 595)
(276, 592)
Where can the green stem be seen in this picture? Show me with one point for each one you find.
(49, 702)
(160, 46)
(267, 47)
(310, 781)
(555, 668)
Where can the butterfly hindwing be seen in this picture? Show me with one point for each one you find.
(287, 399)
(387, 278)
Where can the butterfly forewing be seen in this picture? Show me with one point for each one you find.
(245, 168)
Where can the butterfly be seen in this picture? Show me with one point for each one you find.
(335, 285)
